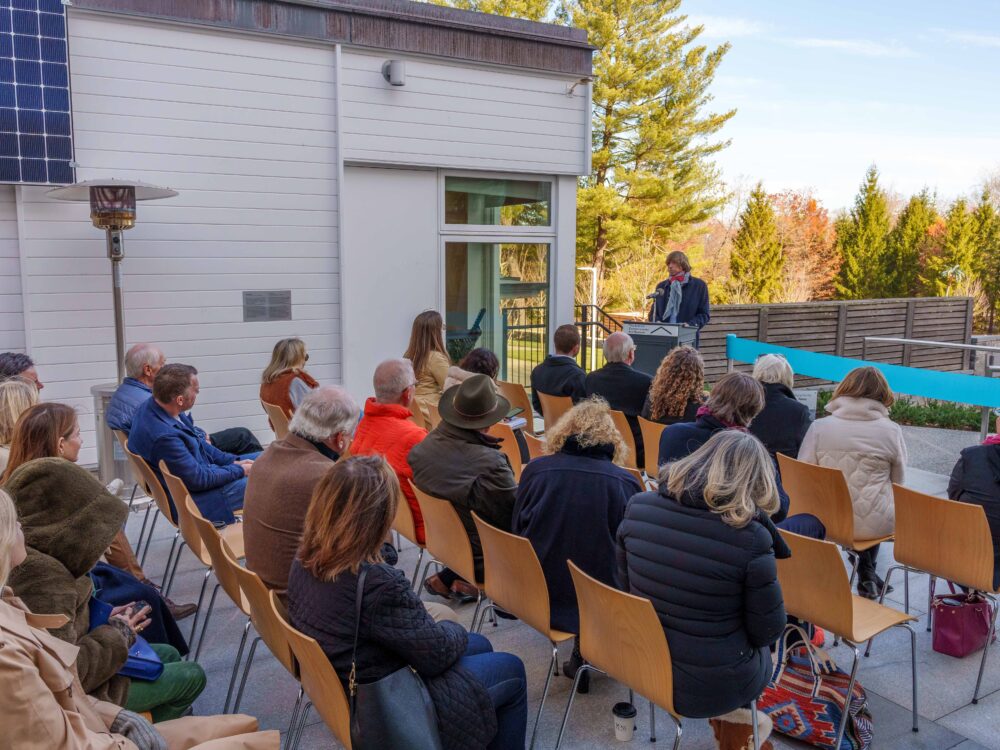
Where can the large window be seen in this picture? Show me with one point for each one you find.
(497, 202)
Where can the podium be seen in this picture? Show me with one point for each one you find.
(653, 341)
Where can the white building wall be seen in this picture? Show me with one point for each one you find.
(243, 127)
(11, 309)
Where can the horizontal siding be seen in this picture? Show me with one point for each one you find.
(243, 127)
(11, 305)
(464, 117)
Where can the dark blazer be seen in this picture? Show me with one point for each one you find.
(694, 309)
(557, 375)
(395, 631)
(783, 423)
(625, 389)
(689, 415)
(976, 479)
(569, 506)
(715, 589)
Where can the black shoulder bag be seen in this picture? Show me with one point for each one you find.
(395, 712)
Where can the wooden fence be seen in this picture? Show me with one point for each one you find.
(840, 327)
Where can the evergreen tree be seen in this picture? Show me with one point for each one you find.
(906, 245)
(532, 10)
(954, 264)
(986, 227)
(861, 241)
(757, 262)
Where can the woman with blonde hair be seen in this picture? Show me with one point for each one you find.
(678, 388)
(429, 356)
(783, 422)
(16, 397)
(569, 505)
(702, 549)
(861, 440)
(285, 382)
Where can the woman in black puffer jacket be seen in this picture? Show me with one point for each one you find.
(479, 696)
(703, 549)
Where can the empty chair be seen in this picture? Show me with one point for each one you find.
(518, 397)
(278, 419)
(553, 407)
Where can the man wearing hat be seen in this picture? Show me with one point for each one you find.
(460, 463)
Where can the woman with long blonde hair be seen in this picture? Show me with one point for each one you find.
(429, 356)
(678, 388)
(16, 397)
(285, 381)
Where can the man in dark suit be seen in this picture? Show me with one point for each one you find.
(621, 385)
(559, 374)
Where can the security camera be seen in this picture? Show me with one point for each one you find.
(394, 71)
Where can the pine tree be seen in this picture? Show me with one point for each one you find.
(986, 227)
(954, 263)
(757, 262)
(906, 246)
(861, 241)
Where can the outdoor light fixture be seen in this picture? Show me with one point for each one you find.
(112, 208)
(394, 72)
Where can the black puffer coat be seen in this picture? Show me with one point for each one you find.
(395, 631)
(783, 423)
(976, 479)
(715, 589)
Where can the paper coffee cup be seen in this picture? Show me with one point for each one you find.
(624, 716)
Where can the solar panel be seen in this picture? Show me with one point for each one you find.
(36, 136)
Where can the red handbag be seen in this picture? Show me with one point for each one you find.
(960, 623)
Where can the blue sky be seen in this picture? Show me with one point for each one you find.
(823, 89)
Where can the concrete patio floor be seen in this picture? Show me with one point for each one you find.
(947, 719)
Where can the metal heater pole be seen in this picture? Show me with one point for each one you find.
(116, 252)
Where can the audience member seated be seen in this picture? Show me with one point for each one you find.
(142, 363)
(17, 395)
(702, 549)
(162, 430)
(41, 695)
(570, 504)
(559, 374)
(52, 430)
(479, 696)
(784, 421)
(429, 356)
(479, 361)
(69, 520)
(976, 479)
(459, 462)
(861, 440)
(386, 429)
(285, 381)
(284, 477)
(17, 365)
(678, 388)
(621, 385)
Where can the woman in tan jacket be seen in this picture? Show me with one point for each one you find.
(430, 361)
(44, 706)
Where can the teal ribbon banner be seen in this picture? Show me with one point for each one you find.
(944, 386)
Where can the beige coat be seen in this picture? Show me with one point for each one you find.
(43, 706)
(430, 385)
(859, 439)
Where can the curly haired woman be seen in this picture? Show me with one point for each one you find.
(678, 388)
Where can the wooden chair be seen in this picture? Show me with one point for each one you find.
(515, 580)
(447, 541)
(945, 539)
(553, 407)
(651, 432)
(518, 397)
(823, 492)
(406, 526)
(509, 447)
(816, 589)
(320, 683)
(122, 439)
(434, 417)
(278, 419)
(536, 447)
(152, 487)
(625, 430)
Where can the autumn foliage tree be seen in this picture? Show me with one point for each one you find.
(986, 229)
(806, 235)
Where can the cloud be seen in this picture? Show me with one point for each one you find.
(860, 47)
(727, 27)
(970, 37)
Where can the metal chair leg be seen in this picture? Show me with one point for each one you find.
(756, 729)
(931, 585)
(913, 667)
(678, 731)
(197, 612)
(652, 722)
(170, 558)
(301, 727)
(479, 604)
(416, 569)
(208, 617)
(427, 569)
(236, 666)
(149, 539)
(545, 692)
(246, 673)
(142, 530)
(881, 598)
(482, 618)
(168, 584)
(572, 694)
(986, 649)
(293, 721)
(850, 689)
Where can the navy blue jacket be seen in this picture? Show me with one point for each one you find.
(557, 375)
(128, 397)
(156, 436)
(569, 506)
(976, 479)
(783, 423)
(625, 389)
(694, 309)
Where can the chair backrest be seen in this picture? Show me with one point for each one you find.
(216, 547)
(814, 584)
(278, 418)
(179, 492)
(625, 430)
(150, 483)
(404, 522)
(553, 407)
(319, 679)
(122, 438)
(518, 397)
(651, 432)
(445, 534)
(268, 625)
(434, 417)
(945, 538)
(821, 491)
(536, 447)
(637, 475)
(513, 576)
(621, 635)
(509, 447)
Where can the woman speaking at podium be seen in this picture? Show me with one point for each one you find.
(680, 298)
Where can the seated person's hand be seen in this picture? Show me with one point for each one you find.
(140, 732)
(246, 464)
(135, 617)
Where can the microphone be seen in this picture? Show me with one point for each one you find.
(656, 294)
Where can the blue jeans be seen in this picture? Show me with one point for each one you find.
(503, 677)
(218, 504)
(804, 524)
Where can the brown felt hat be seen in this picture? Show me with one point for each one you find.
(473, 404)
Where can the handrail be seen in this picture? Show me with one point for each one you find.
(926, 342)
